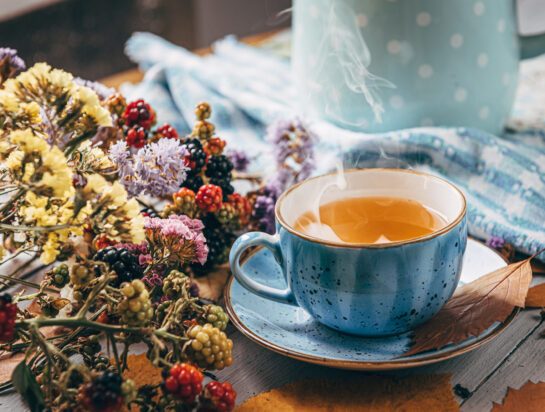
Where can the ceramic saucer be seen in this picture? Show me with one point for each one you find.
(291, 331)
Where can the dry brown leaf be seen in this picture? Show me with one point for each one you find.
(8, 360)
(474, 307)
(536, 297)
(370, 393)
(529, 398)
(211, 286)
(142, 372)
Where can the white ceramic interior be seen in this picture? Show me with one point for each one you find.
(433, 192)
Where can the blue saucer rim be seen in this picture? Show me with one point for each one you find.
(425, 358)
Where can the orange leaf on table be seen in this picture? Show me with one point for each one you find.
(529, 398)
(474, 307)
(211, 286)
(536, 297)
(369, 393)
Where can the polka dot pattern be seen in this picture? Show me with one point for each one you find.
(479, 8)
(456, 40)
(393, 46)
(396, 101)
(362, 20)
(423, 19)
(482, 60)
(460, 95)
(425, 71)
(484, 112)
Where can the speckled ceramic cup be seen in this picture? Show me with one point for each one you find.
(364, 289)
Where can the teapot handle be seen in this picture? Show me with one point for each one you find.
(531, 46)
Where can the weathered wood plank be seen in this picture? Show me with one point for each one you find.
(257, 369)
(525, 363)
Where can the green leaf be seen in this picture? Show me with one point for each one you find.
(25, 383)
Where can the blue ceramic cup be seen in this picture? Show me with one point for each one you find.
(364, 289)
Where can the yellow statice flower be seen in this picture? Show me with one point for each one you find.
(27, 141)
(32, 110)
(15, 160)
(60, 78)
(8, 101)
(57, 175)
(95, 185)
(102, 116)
(51, 249)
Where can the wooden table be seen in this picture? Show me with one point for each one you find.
(514, 357)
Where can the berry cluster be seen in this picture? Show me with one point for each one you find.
(80, 275)
(8, 313)
(219, 397)
(183, 381)
(123, 262)
(103, 394)
(167, 131)
(207, 192)
(209, 198)
(139, 113)
(135, 309)
(214, 315)
(209, 347)
(175, 284)
(60, 276)
(136, 137)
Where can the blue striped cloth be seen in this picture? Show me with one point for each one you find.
(248, 88)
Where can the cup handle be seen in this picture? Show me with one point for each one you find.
(270, 242)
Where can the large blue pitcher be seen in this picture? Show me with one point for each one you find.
(381, 65)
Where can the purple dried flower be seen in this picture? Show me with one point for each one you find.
(264, 211)
(293, 142)
(495, 242)
(239, 159)
(153, 279)
(157, 169)
(16, 62)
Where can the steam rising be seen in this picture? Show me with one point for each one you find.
(317, 228)
(343, 46)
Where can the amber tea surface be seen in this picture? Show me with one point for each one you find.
(373, 219)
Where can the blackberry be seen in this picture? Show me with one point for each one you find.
(123, 262)
(182, 381)
(202, 111)
(80, 275)
(219, 397)
(209, 347)
(104, 393)
(60, 276)
(197, 155)
(149, 212)
(193, 182)
(226, 186)
(215, 315)
(8, 313)
(219, 167)
(215, 242)
(135, 309)
(139, 113)
(209, 198)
